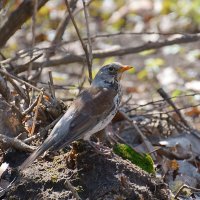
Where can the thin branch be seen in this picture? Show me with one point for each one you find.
(4, 89)
(61, 27)
(36, 112)
(33, 24)
(166, 97)
(80, 9)
(71, 58)
(51, 86)
(162, 101)
(75, 26)
(42, 132)
(31, 107)
(22, 81)
(16, 19)
(18, 89)
(58, 37)
(183, 187)
(146, 46)
(4, 58)
(34, 21)
(88, 32)
(15, 143)
(69, 186)
(104, 35)
(147, 143)
(9, 60)
(29, 62)
(81, 41)
(167, 112)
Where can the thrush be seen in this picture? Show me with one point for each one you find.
(89, 113)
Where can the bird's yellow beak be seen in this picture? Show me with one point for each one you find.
(124, 68)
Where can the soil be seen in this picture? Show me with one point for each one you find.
(93, 176)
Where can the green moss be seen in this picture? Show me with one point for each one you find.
(143, 161)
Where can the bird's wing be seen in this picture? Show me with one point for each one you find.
(91, 106)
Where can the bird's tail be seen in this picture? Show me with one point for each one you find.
(44, 147)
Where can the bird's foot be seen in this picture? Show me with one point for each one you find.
(100, 149)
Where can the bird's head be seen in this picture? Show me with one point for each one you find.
(110, 74)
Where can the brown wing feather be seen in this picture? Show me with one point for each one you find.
(91, 106)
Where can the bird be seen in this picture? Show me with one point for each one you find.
(89, 113)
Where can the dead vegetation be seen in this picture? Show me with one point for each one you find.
(32, 100)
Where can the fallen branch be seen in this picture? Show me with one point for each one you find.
(69, 186)
(71, 58)
(183, 187)
(15, 143)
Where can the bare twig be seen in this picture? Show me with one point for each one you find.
(28, 63)
(183, 187)
(167, 112)
(31, 107)
(58, 37)
(81, 41)
(34, 21)
(88, 32)
(4, 58)
(147, 143)
(42, 132)
(80, 9)
(4, 89)
(36, 113)
(35, 2)
(71, 58)
(103, 35)
(68, 185)
(51, 86)
(22, 81)
(166, 97)
(62, 26)
(15, 109)
(162, 101)
(16, 19)
(15, 143)
(18, 89)
(9, 60)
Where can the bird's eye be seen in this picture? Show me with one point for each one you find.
(111, 69)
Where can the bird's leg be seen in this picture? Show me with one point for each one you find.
(98, 146)
(100, 149)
